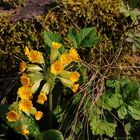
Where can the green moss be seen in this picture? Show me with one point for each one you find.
(14, 37)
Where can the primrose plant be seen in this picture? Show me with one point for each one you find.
(38, 73)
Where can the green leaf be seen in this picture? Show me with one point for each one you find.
(134, 112)
(110, 83)
(101, 127)
(133, 14)
(90, 39)
(86, 37)
(72, 36)
(136, 43)
(50, 37)
(123, 9)
(83, 71)
(32, 126)
(51, 134)
(115, 101)
(122, 112)
(109, 128)
(77, 127)
(137, 34)
(58, 113)
(135, 103)
(76, 99)
(28, 121)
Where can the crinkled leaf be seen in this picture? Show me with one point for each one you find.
(50, 37)
(83, 71)
(134, 13)
(77, 127)
(123, 9)
(32, 126)
(122, 112)
(136, 43)
(101, 127)
(58, 113)
(134, 112)
(115, 101)
(86, 37)
(110, 83)
(109, 128)
(72, 36)
(137, 35)
(76, 99)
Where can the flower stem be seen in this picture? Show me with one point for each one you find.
(50, 109)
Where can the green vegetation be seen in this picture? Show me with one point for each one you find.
(105, 34)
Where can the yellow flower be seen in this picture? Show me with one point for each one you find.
(38, 115)
(26, 51)
(22, 66)
(74, 55)
(25, 105)
(25, 132)
(74, 76)
(57, 67)
(65, 58)
(25, 81)
(75, 87)
(35, 57)
(25, 92)
(41, 98)
(56, 45)
(12, 116)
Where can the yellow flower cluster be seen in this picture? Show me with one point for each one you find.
(57, 68)
(31, 81)
(24, 103)
(25, 93)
